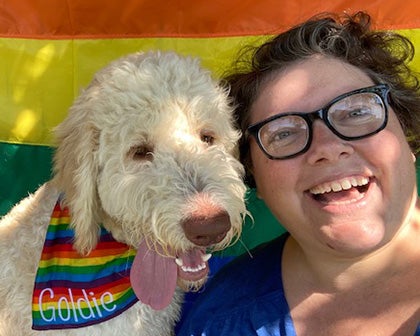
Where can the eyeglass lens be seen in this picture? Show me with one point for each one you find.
(357, 115)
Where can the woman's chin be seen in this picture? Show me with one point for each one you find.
(355, 241)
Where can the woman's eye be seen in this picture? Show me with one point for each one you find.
(359, 114)
(280, 136)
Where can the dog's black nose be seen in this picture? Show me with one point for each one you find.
(205, 230)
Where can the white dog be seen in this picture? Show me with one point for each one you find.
(145, 184)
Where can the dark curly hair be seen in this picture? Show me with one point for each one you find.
(382, 55)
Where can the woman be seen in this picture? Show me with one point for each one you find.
(330, 117)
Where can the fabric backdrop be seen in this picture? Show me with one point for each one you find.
(49, 51)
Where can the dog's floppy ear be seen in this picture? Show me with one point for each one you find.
(75, 171)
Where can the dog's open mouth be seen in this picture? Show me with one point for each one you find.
(193, 266)
(154, 276)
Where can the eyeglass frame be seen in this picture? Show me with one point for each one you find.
(381, 90)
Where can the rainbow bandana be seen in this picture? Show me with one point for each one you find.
(73, 291)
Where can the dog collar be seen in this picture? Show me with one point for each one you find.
(73, 291)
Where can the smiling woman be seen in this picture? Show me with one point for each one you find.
(342, 180)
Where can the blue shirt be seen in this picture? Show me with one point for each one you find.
(245, 298)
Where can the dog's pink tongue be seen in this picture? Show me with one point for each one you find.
(153, 277)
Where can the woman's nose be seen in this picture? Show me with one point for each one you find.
(326, 146)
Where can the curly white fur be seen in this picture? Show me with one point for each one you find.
(147, 145)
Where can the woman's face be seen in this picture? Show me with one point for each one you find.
(353, 221)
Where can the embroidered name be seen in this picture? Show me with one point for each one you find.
(67, 307)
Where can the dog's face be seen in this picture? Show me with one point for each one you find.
(148, 151)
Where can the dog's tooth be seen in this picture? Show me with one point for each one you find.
(179, 262)
(193, 270)
(200, 267)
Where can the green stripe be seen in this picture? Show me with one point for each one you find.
(23, 169)
(127, 296)
(59, 227)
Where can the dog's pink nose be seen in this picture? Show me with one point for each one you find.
(205, 230)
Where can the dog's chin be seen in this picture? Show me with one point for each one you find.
(191, 286)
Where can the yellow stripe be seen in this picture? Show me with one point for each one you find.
(87, 261)
(414, 36)
(59, 220)
(44, 76)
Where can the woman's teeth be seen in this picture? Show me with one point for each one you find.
(339, 185)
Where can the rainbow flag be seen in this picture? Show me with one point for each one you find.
(49, 51)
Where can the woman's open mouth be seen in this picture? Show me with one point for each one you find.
(343, 191)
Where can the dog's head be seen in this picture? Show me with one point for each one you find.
(148, 152)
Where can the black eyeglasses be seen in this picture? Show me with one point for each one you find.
(351, 116)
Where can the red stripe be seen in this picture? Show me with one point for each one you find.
(183, 18)
(58, 212)
(75, 255)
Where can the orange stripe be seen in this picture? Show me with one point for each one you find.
(183, 18)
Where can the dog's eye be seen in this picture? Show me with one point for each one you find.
(208, 138)
(142, 153)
